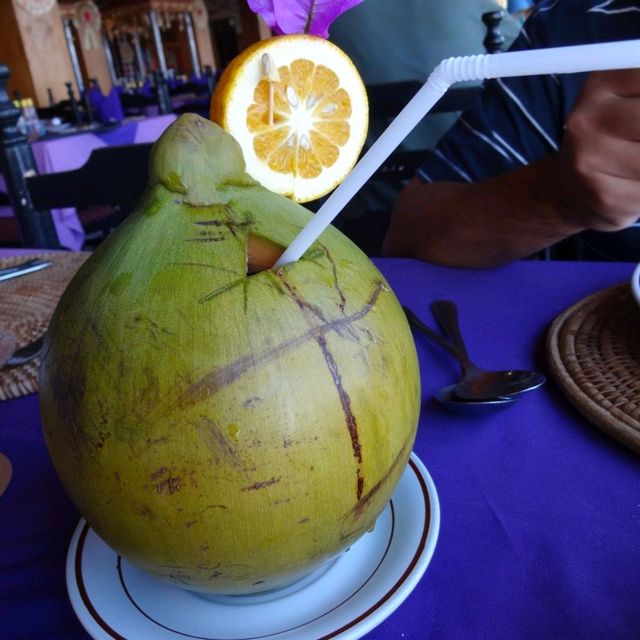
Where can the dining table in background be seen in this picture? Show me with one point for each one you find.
(65, 152)
(540, 510)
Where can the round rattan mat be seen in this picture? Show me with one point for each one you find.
(26, 305)
(593, 349)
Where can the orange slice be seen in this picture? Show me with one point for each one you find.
(298, 108)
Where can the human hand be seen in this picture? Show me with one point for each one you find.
(598, 178)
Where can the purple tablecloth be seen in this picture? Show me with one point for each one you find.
(540, 533)
(72, 151)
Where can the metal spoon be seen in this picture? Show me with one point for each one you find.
(476, 383)
(25, 354)
(447, 395)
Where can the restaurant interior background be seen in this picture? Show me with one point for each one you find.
(538, 487)
(118, 42)
(111, 69)
(90, 67)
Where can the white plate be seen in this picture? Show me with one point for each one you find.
(346, 599)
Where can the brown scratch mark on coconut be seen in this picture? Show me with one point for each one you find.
(146, 512)
(195, 134)
(219, 378)
(219, 441)
(186, 318)
(140, 321)
(192, 205)
(149, 444)
(252, 402)
(273, 281)
(146, 392)
(261, 485)
(345, 400)
(204, 265)
(223, 289)
(159, 473)
(232, 225)
(67, 392)
(212, 506)
(67, 380)
(359, 483)
(211, 223)
(349, 417)
(93, 325)
(359, 508)
(89, 324)
(219, 238)
(316, 311)
(336, 282)
(303, 521)
(152, 442)
(201, 566)
(169, 485)
(302, 303)
(190, 523)
(369, 335)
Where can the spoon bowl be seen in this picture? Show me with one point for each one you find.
(447, 396)
(479, 384)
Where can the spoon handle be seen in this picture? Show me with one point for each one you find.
(416, 323)
(446, 313)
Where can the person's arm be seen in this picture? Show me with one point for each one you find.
(593, 182)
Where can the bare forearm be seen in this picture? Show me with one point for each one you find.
(481, 224)
(592, 182)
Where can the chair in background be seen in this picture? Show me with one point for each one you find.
(195, 97)
(104, 191)
(114, 178)
(189, 97)
(157, 95)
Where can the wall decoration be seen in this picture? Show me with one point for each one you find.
(88, 22)
(200, 15)
(36, 7)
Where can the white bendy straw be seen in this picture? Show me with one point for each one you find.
(575, 59)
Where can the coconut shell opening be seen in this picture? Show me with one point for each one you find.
(262, 254)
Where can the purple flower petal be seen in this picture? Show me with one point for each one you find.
(264, 8)
(301, 16)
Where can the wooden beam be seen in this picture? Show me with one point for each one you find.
(35, 48)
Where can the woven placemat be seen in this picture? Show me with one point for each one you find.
(593, 349)
(26, 305)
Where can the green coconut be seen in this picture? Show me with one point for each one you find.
(222, 425)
